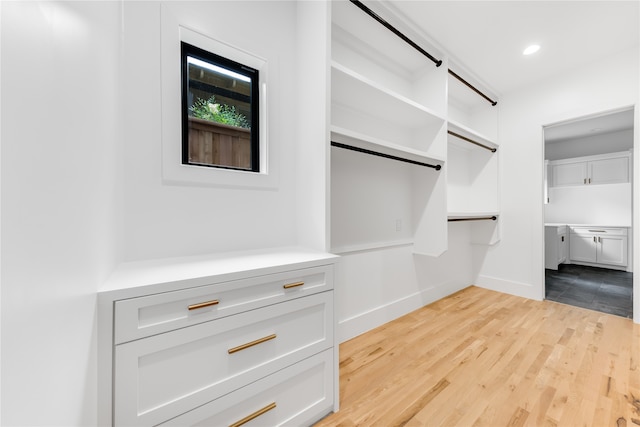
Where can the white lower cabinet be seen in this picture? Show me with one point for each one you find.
(592, 245)
(239, 348)
(556, 246)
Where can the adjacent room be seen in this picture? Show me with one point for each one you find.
(324, 212)
(588, 212)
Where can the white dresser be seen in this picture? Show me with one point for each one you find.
(244, 338)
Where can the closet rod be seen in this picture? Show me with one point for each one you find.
(480, 218)
(386, 156)
(493, 150)
(470, 86)
(395, 31)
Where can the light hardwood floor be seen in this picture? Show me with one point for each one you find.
(482, 358)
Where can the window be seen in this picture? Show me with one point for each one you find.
(220, 115)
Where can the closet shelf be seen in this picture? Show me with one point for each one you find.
(342, 250)
(358, 92)
(385, 148)
(467, 132)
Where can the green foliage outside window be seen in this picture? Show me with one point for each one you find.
(221, 113)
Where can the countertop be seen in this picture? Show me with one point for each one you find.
(553, 224)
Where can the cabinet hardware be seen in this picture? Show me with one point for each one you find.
(589, 180)
(562, 238)
(293, 285)
(254, 415)
(595, 239)
(203, 304)
(597, 231)
(599, 240)
(584, 180)
(251, 344)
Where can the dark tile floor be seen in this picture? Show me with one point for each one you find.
(600, 289)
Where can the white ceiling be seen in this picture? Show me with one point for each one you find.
(488, 37)
(590, 126)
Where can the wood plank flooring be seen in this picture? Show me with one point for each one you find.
(483, 358)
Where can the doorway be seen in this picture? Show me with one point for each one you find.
(589, 212)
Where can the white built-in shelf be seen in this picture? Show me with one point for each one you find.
(467, 132)
(366, 142)
(370, 246)
(355, 91)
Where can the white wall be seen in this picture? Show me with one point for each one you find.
(60, 203)
(516, 264)
(81, 178)
(591, 145)
(377, 286)
(170, 220)
(609, 204)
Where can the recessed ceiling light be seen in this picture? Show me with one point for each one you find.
(531, 49)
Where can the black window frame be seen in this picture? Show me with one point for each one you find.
(250, 72)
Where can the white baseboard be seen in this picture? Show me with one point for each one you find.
(363, 322)
(524, 290)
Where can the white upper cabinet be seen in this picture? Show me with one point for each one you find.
(609, 171)
(592, 170)
(569, 174)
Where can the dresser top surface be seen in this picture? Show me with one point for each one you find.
(136, 278)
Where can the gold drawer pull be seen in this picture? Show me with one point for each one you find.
(254, 415)
(203, 304)
(293, 285)
(251, 344)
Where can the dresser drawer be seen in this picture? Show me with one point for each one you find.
(149, 315)
(298, 396)
(160, 377)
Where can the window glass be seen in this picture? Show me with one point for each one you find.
(219, 111)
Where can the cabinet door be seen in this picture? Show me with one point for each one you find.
(582, 248)
(569, 174)
(612, 250)
(609, 171)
